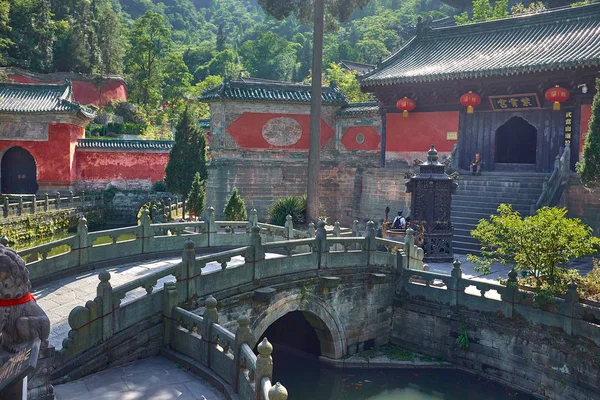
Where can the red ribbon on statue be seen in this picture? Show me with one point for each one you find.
(15, 302)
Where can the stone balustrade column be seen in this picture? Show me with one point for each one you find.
(253, 219)
(321, 245)
(82, 196)
(370, 243)
(409, 243)
(154, 215)
(146, 231)
(83, 241)
(210, 317)
(104, 292)
(71, 199)
(170, 301)
(33, 204)
(170, 208)
(355, 230)
(6, 206)
(337, 232)
(57, 204)
(571, 300)
(243, 334)
(311, 229)
(456, 284)
(255, 253)
(509, 297)
(185, 286)
(212, 227)
(278, 392)
(289, 227)
(264, 366)
(46, 201)
(20, 206)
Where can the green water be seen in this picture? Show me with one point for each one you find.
(306, 378)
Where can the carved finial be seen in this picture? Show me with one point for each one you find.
(210, 302)
(104, 276)
(256, 229)
(321, 224)
(512, 275)
(189, 244)
(82, 221)
(265, 348)
(243, 320)
(278, 392)
(432, 155)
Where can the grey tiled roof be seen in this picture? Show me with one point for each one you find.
(125, 144)
(39, 98)
(270, 91)
(563, 38)
(369, 107)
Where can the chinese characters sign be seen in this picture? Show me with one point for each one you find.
(568, 127)
(514, 102)
(23, 131)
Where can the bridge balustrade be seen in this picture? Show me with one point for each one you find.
(15, 205)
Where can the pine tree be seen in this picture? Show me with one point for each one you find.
(235, 209)
(589, 167)
(197, 196)
(187, 156)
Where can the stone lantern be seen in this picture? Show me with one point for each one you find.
(431, 196)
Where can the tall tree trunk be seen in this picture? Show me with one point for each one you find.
(314, 157)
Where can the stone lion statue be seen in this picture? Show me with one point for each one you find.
(21, 319)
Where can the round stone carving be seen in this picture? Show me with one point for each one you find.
(360, 138)
(282, 131)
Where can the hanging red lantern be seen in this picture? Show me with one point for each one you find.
(405, 105)
(557, 95)
(470, 100)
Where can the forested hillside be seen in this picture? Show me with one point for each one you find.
(168, 49)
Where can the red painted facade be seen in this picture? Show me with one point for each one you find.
(86, 92)
(361, 138)
(247, 130)
(108, 166)
(584, 124)
(420, 130)
(54, 158)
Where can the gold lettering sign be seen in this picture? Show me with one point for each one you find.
(451, 135)
(515, 102)
(568, 127)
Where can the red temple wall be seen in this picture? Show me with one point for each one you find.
(414, 135)
(108, 166)
(584, 124)
(247, 130)
(371, 139)
(86, 92)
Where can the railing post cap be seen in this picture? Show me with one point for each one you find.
(457, 264)
(104, 276)
(370, 224)
(311, 225)
(512, 275)
(82, 220)
(189, 245)
(321, 224)
(265, 348)
(572, 286)
(243, 320)
(336, 224)
(256, 229)
(288, 218)
(210, 302)
(211, 209)
(278, 392)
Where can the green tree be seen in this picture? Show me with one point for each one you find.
(235, 209)
(224, 64)
(149, 44)
(5, 28)
(533, 8)
(541, 244)
(110, 41)
(589, 167)
(177, 79)
(187, 156)
(347, 82)
(270, 56)
(210, 82)
(340, 10)
(197, 196)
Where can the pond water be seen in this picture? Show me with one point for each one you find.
(306, 378)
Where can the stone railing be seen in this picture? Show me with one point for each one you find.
(21, 204)
(86, 249)
(569, 313)
(554, 186)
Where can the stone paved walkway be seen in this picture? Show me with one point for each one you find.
(154, 378)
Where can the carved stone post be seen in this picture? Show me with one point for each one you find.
(104, 292)
(146, 229)
(82, 195)
(370, 244)
(455, 285)
(212, 227)
(510, 293)
(409, 243)
(46, 202)
(311, 229)
(571, 299)
(170, 208)
(243, 334)
(33, 204)
(264, 366)
(321, 245)
(170, 301)
(337, 232)
(253, 219)
(210, 316)
(84, 245)
(6, 206)
(289, 227)
(278, 392)
(154, 215)
(20, 206)
(184, 278)
(71, 199)
(57, 204)
(255, 253)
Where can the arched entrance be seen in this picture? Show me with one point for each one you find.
(516, 142)
(18, 172)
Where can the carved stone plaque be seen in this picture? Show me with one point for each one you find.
(13, 371)
(282, 131)
(23, 131)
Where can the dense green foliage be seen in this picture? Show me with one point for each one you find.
(291, 205)
(235, 209)
(187, 156)
(589, 167)
(540, 245)
(197, 195)
(483, 10)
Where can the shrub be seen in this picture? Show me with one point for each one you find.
(291, 205)
(126, 128)
(159, 186)
(235, 209)
(197, 196)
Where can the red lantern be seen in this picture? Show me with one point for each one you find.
(557, 95)
(470, 100)
(405, 105)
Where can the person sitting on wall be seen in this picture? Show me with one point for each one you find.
(476, 165)
(399, 221)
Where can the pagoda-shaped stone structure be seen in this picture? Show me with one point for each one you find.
(431, 196)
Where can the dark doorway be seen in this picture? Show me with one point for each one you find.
(294, 331)
(18, 172)
(516, 142)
